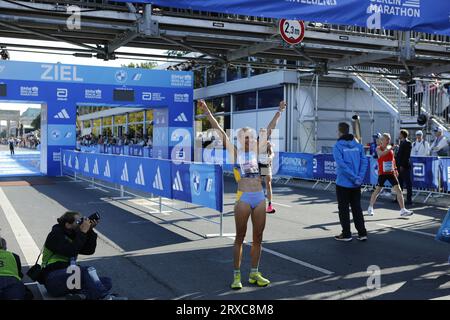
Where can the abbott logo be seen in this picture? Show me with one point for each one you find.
(77, 164)
(69, 163)
(177, 184)
(124, 176)
(62, 94)
(146, 96)
(419, 169)
(157, 182)
(140, 176)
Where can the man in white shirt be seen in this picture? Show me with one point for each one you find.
(420, 147)
(440, 144)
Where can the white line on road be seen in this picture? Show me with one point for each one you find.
(29, 248)
(294, 260)
(282, 205)
(303, 263)
(408, 230)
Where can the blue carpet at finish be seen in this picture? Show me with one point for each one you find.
(23, 163)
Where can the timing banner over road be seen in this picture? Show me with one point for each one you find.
(418, 15)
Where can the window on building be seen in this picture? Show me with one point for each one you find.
(139, 130)
(107, 121)
(120, 119)
(245, 101)
(107, 131)
(270, 98)
(97, 124)
(220, 104)
(233, 73)
(136, 117)
(215, 75)
(199, 78)
(149, 115)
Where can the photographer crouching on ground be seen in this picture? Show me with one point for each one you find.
(73, 235)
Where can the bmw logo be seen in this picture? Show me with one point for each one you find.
(196, 182)
(56, 134)
(121, 76)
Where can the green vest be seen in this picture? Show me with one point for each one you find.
(49, 257)
(8, 265)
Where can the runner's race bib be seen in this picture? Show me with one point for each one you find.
(263, 159)
(388, 166)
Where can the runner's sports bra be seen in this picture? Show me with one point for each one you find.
(248, 164)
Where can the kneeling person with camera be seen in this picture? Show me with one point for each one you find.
(73, 235)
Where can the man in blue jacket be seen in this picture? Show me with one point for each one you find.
(351, 169)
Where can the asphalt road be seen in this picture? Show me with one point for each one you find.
(153, 255)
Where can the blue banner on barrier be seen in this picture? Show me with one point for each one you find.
(181, 186)
(298, 165)
(425, 172)
(206, 185)
(196, 183)
(324, 167)
(418, 15)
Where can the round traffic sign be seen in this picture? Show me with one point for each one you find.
(292, 31)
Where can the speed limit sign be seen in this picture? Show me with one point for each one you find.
(292, 31)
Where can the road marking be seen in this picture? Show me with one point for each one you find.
(303, 263)
(282, 205)
(29, 248)
(294, 260)
(408, 230)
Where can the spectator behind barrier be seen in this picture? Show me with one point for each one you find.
(439, 147)
(71, 236)
(11, 286)
(420, 147)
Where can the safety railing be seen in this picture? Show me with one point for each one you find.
(432, 98)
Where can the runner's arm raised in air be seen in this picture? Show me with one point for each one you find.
(272, 124)
(226, 140)
(276, 117)
(382, 153)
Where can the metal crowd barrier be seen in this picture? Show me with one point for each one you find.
(102, 185)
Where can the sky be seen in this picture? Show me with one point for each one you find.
(62, 58)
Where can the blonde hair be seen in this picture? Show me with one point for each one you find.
(386, 135)
(244, 130)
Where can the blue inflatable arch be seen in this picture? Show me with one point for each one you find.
(61, 88)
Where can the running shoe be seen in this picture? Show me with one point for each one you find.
(342, 238)
(362, 238)
(405, 212)
(237, 284)
(257, 278)
(370, 211)
(270, 209)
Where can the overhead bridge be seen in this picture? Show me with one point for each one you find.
(106, 27)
